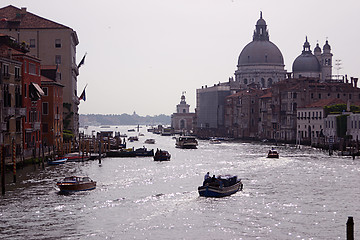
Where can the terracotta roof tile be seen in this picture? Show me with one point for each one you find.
(12, 17)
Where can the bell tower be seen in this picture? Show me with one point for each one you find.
(326, 62)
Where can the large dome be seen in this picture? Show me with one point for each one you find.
(260, 52)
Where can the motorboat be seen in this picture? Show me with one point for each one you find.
(133, 138)
(150, 141)
(162, 155)
(186, 142)
(221, 186)
(58, 161)
(76, 183)
(215, 141)
(273, 154)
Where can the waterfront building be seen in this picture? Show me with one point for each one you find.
(31, 102)
(311, 120)
(210, 110)
(318, 65)
(12, 112)
(52, 107)
(241, 113)
(183, 119)
(353, 126)
(54, 44)
(290, 94)
(261, 61)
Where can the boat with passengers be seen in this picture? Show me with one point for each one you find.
(189, 142)
(220, 186)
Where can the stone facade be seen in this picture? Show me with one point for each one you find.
(183, 119)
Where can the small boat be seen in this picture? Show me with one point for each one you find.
(75, 157)
(143, 152)
(75, 183)
(223, 185)
(162, 155)
(215, 141)
(58, 161)
(141, 134)
(134, 138)
(273, 154)
(186, 142)
(131, 130)
(150, 141)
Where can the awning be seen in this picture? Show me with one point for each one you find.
(35, 91)
(38, 88)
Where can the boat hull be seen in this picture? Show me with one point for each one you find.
(71, 187)
(212, 191)
(58, 162)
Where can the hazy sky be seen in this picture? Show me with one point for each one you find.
(142, 54)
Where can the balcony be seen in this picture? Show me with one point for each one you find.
(8, 112)
(35, 126)
(20, 112)
(5, 76)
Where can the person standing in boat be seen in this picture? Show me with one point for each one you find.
(207, 178)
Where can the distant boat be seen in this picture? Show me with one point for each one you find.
(131, 130)
(150, 141)
(223, 185)
(75, 183)
(58, 161)
(273, 154)
(186, 142)
(215, 141)
(162, 155)
(105, 126)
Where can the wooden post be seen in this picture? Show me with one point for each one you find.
(43, 155)
(2, 153)
(100, 152)
(350, 229)
(14, 159)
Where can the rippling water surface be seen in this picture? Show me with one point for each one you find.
(305, 194)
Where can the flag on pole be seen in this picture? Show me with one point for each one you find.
(83, 95)
(82, 62)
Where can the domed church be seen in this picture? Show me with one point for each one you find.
(317, 65)
(260, 62)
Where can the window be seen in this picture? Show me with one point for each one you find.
(17, 72)
(45, 108)
(32, 43)
(58, 59)
(18, 124)
(32, 68)
(45, 90)
(25, 90)
(58, 43)
(5, 70)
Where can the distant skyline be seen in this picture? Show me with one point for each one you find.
(142, 54)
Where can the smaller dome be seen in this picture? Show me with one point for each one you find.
(317, 48)
(306, 63)
(326, 46)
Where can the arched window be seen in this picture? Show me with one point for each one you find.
(245, 81)
(263, 83)
(270, 82)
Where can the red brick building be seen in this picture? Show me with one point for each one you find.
(31, 101)
(52, 108)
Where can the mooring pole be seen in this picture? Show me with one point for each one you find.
(2, 157)
(14, 159)
(350, 229)
(100, 151)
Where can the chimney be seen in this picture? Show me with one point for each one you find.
(23, 11)
(355, 82)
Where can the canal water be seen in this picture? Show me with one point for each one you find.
(305, 194)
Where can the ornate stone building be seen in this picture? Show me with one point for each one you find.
(317, 65)
(260, 62)
(183, 119)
